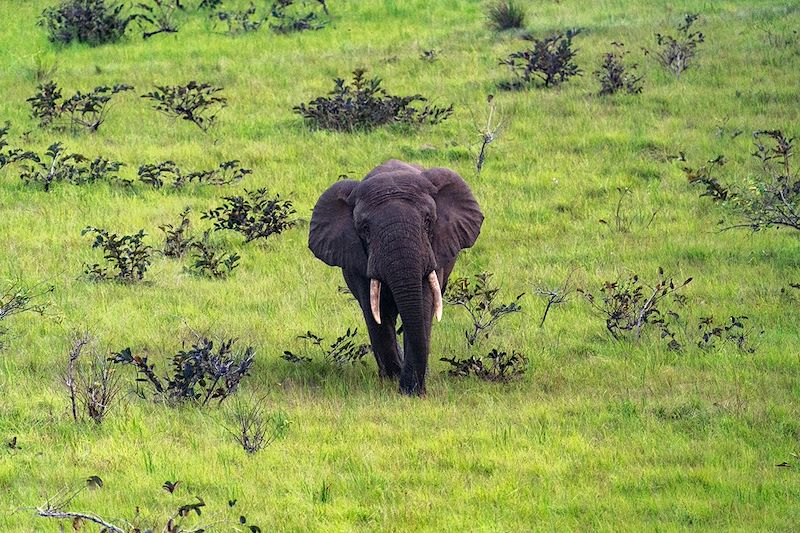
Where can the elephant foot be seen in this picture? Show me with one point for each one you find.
(409, 388)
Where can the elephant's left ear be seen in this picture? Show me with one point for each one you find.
(459, 217)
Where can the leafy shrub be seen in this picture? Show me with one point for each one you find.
(200, 374)
(177, 239)
(87, 111)
(209, 4)
(208, 261)
(196, 102)
(479, 299)
(495, 366)
(8, 155)
(240, 21)
(158, 16)
(256, 216)
(630, 305)
(253, 428)
(364, 105)
(58, 165)
(342, 352)
(293, 15)
(506, 15)
(158, 174)
(17, 298)
(94, 386)
(704, 176)
(736, 331)
(772, 197)
(86, 21)
(676, 53)
(185, 518)
(614, 76)
(430, 56)
(127, 255)
(551, 60)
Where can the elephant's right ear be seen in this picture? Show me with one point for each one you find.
(333, 236)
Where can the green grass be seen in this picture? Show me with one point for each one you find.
(599, 435)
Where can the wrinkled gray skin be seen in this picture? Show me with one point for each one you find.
(396, 226)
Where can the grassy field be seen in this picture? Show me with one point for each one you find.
(599, 434)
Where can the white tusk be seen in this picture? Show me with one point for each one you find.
(375, 299)
(437, 294)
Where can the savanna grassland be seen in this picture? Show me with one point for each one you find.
(598, 434)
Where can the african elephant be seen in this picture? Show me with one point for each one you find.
(396, 235)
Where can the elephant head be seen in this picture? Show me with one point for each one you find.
(396, 235)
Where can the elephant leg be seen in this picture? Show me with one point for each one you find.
(382, 336)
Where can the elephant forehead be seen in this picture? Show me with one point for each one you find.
(391, 186)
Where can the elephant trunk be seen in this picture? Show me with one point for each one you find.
(436, 294)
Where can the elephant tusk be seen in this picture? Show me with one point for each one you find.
(375, 299)
(436, 290)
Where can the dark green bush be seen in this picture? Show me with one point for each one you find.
(364, 105)
(127, 256)
(93, 22)
(551, 60)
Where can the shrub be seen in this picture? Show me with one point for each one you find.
(430, 56)
(196, 102)
(505, 15)
(94, 386)
(158, 16)
(772, 196)
(127, 255)
(200, 374)
(736, 331)
(87, 111)
(256, 216)
(630, 305)
(8, 155)
(157, 175)
(177, 239)
(342, 352)
(614, 76)
(240, 21)
(495, 366)
(676, 53)
(704, 176)
(293, 15)
(174, 518)
(556, 295)
(86, 21)
(550, 59)
(208, 261)
(58, 165)
(253, 428)
(17, 298)
(489, 133)
(479, 299)
(364, 105)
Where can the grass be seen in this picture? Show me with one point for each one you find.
(599, 435)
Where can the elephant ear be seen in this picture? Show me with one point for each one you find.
(332, 236)
(459, 217)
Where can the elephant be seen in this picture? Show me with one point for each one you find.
(396, 235)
